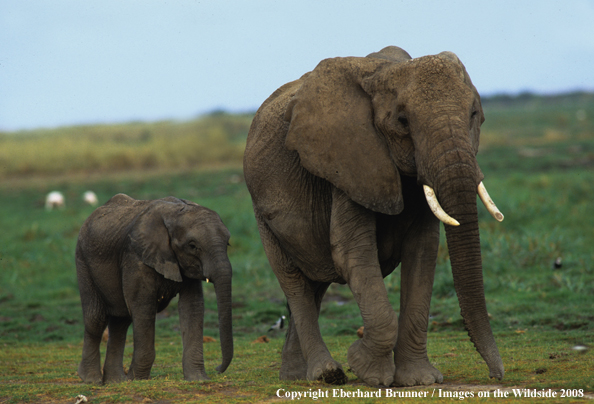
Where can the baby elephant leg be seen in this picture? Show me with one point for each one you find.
(113, 369)
(95, 320)
(89, 369)
(191, 318)
(144, 346)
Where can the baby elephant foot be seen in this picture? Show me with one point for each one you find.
(420, 373)
(372, 369)
(329, 372)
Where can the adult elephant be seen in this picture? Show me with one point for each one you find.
(132, 258)
(338, 164)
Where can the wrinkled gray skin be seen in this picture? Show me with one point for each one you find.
(335, 164)
(132, 258)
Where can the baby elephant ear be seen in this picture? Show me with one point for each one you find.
(331, 127)
(149, 239)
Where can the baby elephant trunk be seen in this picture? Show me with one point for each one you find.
(222, 285)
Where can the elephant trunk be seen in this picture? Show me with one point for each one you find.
(457, 195)
(222, 285)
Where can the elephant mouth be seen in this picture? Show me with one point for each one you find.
(447, 219)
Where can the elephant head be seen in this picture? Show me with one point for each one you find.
(361, 123)
(178, 238)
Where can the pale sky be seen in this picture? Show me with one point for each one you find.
(65, 62)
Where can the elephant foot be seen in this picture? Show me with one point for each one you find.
(294, 365)
(329, 372)
(195, 376)
(89, 376)
(290, 371)
(114, 376)
(372, 369)
(138, 374)
(419, 373)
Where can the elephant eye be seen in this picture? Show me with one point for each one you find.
(403, 121)
(193, 246)
(473, 113)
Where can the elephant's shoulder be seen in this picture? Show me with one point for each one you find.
(282, 95)
(120, 199)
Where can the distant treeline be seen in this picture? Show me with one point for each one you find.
(530, 97)
(211, 140)
(219, 138)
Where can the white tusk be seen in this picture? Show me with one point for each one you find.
(436, 207)
(207, 280)
(489, 204)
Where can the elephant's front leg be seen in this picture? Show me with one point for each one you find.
(141, 298)
(354, 250)
(191, 318)
(419, 255)
(143, 357)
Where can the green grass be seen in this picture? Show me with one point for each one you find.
(538, 313)
(47, 373)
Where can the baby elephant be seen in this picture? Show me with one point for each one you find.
(132, 258)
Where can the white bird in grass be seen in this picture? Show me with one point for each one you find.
(280, 323)
(581, 348)
(90, 198)
(54, 199)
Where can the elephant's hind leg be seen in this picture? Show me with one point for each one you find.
(113, 369)
(304, 355)
(306, 341)
(294, 365)
(89, 369)
(95, 320)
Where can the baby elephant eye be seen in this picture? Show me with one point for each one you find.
(403, 121)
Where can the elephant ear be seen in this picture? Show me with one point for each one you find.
(331, 127)
(150, 239)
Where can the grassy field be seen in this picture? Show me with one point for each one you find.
(213, 139)
(537, 155)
